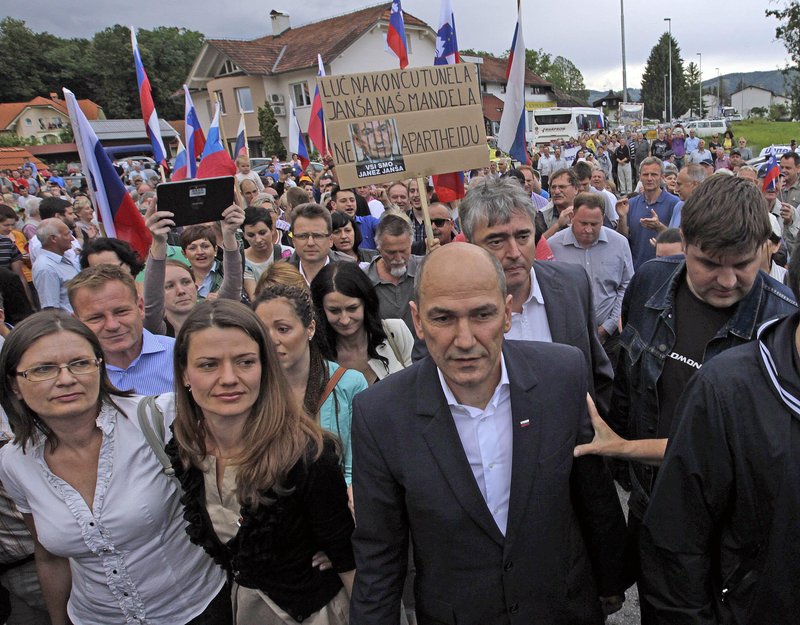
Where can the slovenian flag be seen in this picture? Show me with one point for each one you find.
(215, 160)
(446, 41)
(316, 121)
(149, 114)
(396, 35)
(296, 143)
(181, 170)
(195, 139)
(241, 140)
(116, 209)
(511, 138)
(449, 187)
(773, 171)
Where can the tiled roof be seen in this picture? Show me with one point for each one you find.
(11, 158)
(297, 48)
(492, 107)
(9, 111)
(493, 69)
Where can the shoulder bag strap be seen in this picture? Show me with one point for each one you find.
(337, 375)
(153, 429)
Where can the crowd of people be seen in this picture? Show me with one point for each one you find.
(310, 412)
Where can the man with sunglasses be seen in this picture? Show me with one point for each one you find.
(442, 224)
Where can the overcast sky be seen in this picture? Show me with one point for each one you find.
(734, 35)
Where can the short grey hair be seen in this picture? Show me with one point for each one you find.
(49, 228)
(498, 270)
(652, 160)
(697, 173)
(493, 202)
(394, 225)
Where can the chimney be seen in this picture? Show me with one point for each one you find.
(280, 22)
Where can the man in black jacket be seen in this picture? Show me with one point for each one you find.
(721, 538)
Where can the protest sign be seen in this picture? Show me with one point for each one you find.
(420, 121)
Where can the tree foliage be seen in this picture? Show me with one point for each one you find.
(789, 32)
(270, 134)
(653, 80)
(693, 89)
(100, 69)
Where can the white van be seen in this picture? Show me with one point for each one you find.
(708, 127)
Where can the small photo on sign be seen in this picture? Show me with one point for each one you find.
(376, 146)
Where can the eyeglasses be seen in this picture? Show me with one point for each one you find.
(440, 221)
(42, 373)
(305, 236)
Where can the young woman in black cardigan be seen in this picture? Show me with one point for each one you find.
(263, 484)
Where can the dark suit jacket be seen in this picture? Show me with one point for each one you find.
(566, 531)
(567, 293)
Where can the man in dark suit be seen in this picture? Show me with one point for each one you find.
(551, 301)
(471, 450)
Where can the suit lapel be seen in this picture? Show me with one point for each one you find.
(553, 295)
(526, 413)
(442, 439)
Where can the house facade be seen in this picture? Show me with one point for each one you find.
(42, 118)
(745, 100)
(282, 67)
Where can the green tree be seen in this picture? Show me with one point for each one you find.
(113, 76)
(20, 57)
(270, 135)
(538, 61)
(693, 89)
(789, 32)
(565, 76)
(653, 83)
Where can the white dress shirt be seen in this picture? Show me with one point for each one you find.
(531, 324)
(488, 440)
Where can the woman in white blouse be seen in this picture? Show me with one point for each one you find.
(355, 335)
(110, 541)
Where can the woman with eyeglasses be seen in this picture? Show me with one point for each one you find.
(110, 545)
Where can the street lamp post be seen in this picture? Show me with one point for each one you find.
(624, 71)
(719, 105)
(669, 21)
(665, 98)
(700, 81)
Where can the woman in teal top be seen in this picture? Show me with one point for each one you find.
(288, 314)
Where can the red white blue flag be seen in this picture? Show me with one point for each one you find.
(181, 169)
(773, 172)
(511, 137)
(449, 187)
(149, 114)
(116, 209)
(396, 35)
(296, 143)
(446, 40)
(241, 148)
(215, 160)
(195, 139)
(316, 120)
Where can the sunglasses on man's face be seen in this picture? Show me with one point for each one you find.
(439, 222)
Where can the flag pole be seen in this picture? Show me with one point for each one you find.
(90, 182)
(221, 129)
(422, 187)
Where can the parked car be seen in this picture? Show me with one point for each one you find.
(708, 127)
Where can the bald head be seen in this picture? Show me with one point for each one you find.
(456, 262)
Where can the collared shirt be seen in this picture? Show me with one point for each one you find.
(72, 255)
(546, 164)
(394, 298)
(488, 440)
(129, 552)
(691, 144)
(639, 236)
(419, 227)
(609, 265)
(531, 324)
(150, 373)
(303, 273)
(539, 201)
(791, 194)
(51, 272)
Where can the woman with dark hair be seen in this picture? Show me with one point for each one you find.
(108, 251)
(109, 535)
(355, 335)
(346, 236)
(262, 482)
(288, 315)
(170, 286)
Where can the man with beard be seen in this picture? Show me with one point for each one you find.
(393, 270)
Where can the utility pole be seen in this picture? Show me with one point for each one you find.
(669, 21)
(624, 71)
(700, 81)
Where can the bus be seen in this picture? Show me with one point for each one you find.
(563, 123)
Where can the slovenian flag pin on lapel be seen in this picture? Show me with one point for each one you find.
(525, 423)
